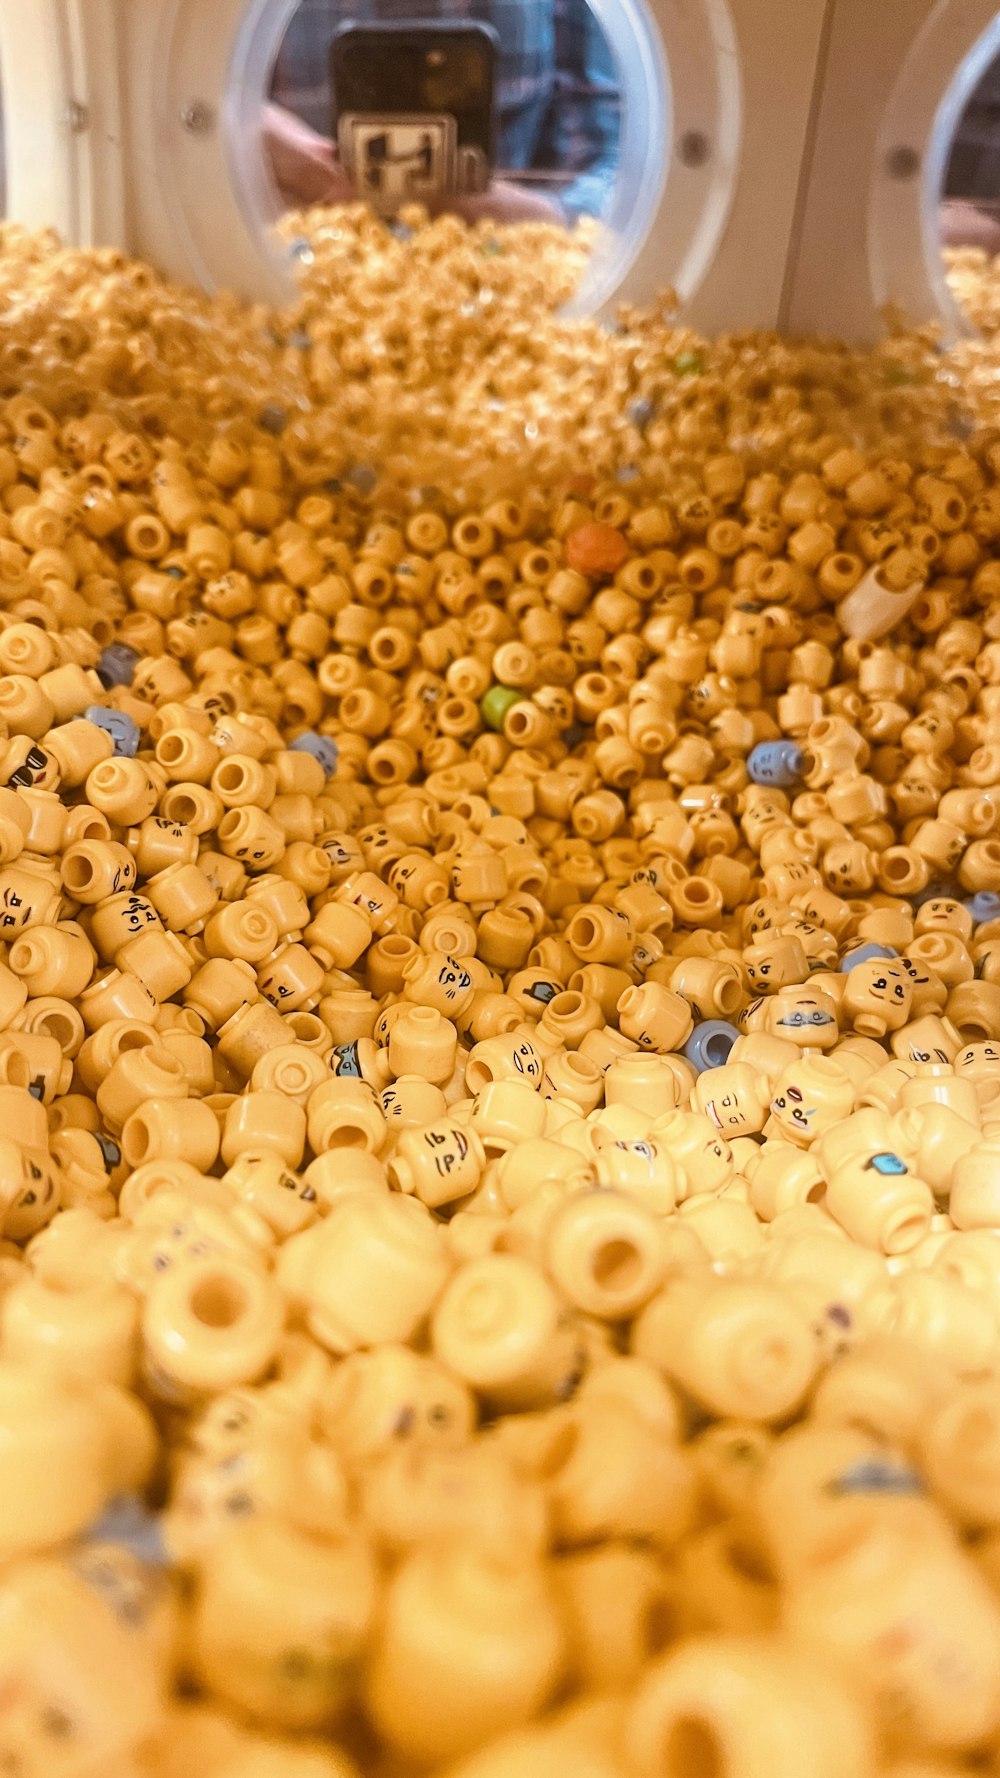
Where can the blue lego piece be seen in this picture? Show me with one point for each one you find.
(865, 954)
(775, 762)
(117, 664)
(120, 727)
(710, 1043)
(126, 1521)
(984, 906)
(641, 411)
(320, 746)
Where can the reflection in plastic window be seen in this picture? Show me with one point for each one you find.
(970, 204)
(556, 113)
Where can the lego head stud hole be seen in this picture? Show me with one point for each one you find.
(585, 932)
(231, 777)
(903, 1231)
(728, 995)
(295, 1078)
(218, 1301)
(616, 1266)
(896, 868)
(137, 1140)
(718, 1044)
(77, 872)
(347, 1135)
(478, 1075)
(57, 1024)
(184, 809)
(171, 749)
(16, 1070)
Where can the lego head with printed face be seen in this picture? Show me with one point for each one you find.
(511, 1057)
(790, 876)
(275, 1465)
(774, 960)
(65, 1449)
(405, 871)
(370, 894)
(928, 1039)
(235, 1422)
(383, 1025)
(734, 1098)
(819, 945)
(438, 1161)
(526, 1062)
(25, 899)
(30, 767)
(281, 1621)
(761, 816)
(928, 733)
(878, 996)
(847, 867)
(928, 992)
(171, 832)
(915, 791)
(756, 1014)
(379, 846)
(944, 914)
(805, 1016)
(532, 989)
(763, 916)
(809, 1097)
(84, 1645)
(171, 1230)
(440, 981)
(701, 1157)
(871, 1189)
(643, 1168)
(343, 851)
(836, 1327)
(393, 1395)
(948, 856)
(646, 951)
(980, 1063)
(29, 1189)
(284, 1199)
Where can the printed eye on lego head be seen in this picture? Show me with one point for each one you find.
(805, 1016)
(734, 1098)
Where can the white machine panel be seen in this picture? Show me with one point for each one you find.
(780, 160)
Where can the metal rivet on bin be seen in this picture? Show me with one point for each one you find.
(694, 148)
(198, 117)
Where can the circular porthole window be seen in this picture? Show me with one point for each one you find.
(517, 111)
(934, 218)
(613, 120)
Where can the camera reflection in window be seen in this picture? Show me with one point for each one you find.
(558, 107)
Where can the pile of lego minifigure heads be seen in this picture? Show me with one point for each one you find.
(499, 1033)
